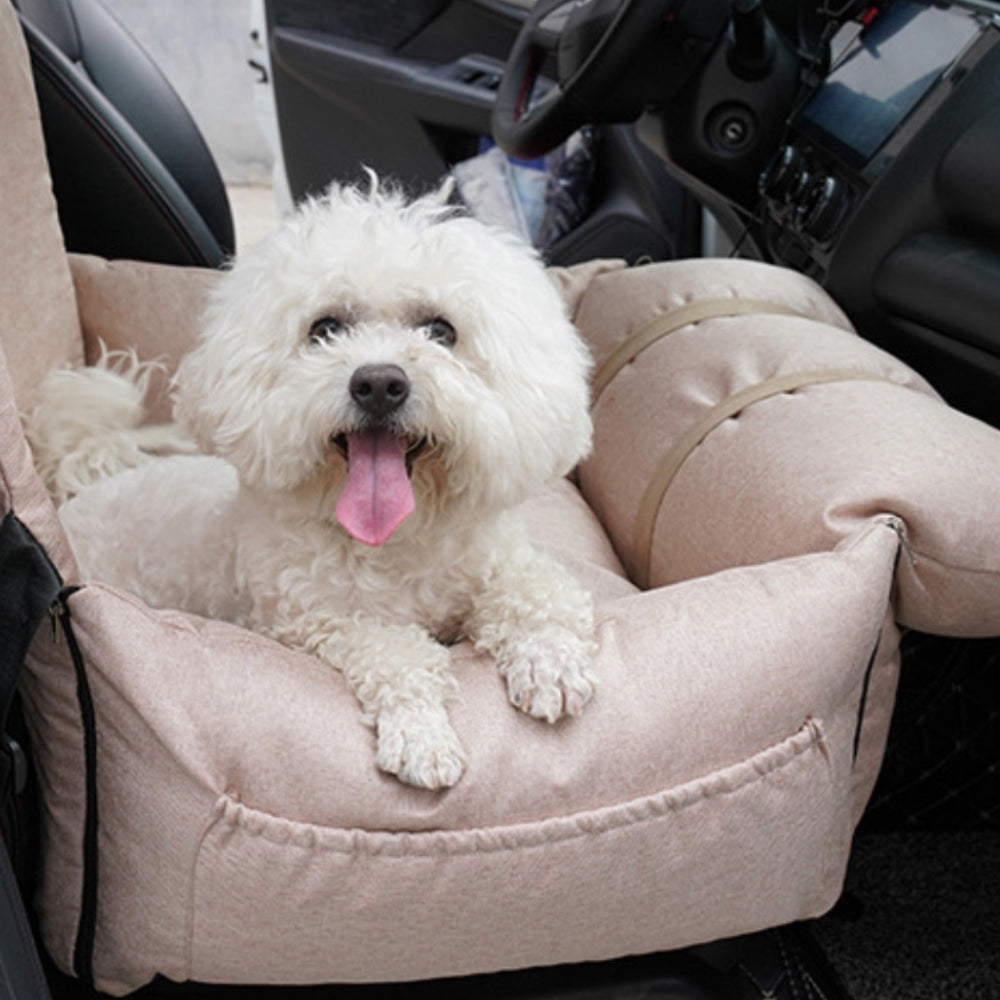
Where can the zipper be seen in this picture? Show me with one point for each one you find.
(86, 932)
(898, 525)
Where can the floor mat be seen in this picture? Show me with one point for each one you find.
(920, 918)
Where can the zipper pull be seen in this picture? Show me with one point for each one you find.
(897, 524)
(53, 611)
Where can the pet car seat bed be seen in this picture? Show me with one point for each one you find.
(769, 500)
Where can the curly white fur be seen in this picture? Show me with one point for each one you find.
(250, 532)
(71, 453)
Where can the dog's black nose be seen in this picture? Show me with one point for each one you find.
(379, 389)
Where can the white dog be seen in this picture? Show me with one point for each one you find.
(378, 384)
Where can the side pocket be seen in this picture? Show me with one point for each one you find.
(280, 901)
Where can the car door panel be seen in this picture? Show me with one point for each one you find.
(406, 93)
(410, 93)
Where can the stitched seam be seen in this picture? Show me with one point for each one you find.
(530, 836)
(921, 556)
(5, 480)
(790, 971)
(189, 911)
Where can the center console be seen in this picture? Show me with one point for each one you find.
(890, 71)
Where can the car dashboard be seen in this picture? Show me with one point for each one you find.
(886, 189)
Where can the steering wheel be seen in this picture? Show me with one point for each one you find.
(595, 41)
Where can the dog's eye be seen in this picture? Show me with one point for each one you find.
(441, 331)
(325, 328)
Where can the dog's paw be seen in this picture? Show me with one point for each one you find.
(419, 747)
(548, 677)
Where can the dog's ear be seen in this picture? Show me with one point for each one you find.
(219, 397)
(187, 393)
(218, 388)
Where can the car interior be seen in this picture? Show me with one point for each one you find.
(854, 143)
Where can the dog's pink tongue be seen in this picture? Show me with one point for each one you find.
(377, 497)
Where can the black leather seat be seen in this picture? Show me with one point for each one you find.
(132, 174)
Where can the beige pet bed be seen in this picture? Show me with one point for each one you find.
(779, 493)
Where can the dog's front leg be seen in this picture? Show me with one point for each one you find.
(536, 621)
(403, 680)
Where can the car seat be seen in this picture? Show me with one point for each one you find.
(784, 497)
(132, 174)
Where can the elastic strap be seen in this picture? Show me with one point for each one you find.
(652, 498)
(666, 323)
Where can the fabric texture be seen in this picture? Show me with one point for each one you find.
(165, 302)
(38, 322)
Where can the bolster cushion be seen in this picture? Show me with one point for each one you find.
(739, 419)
